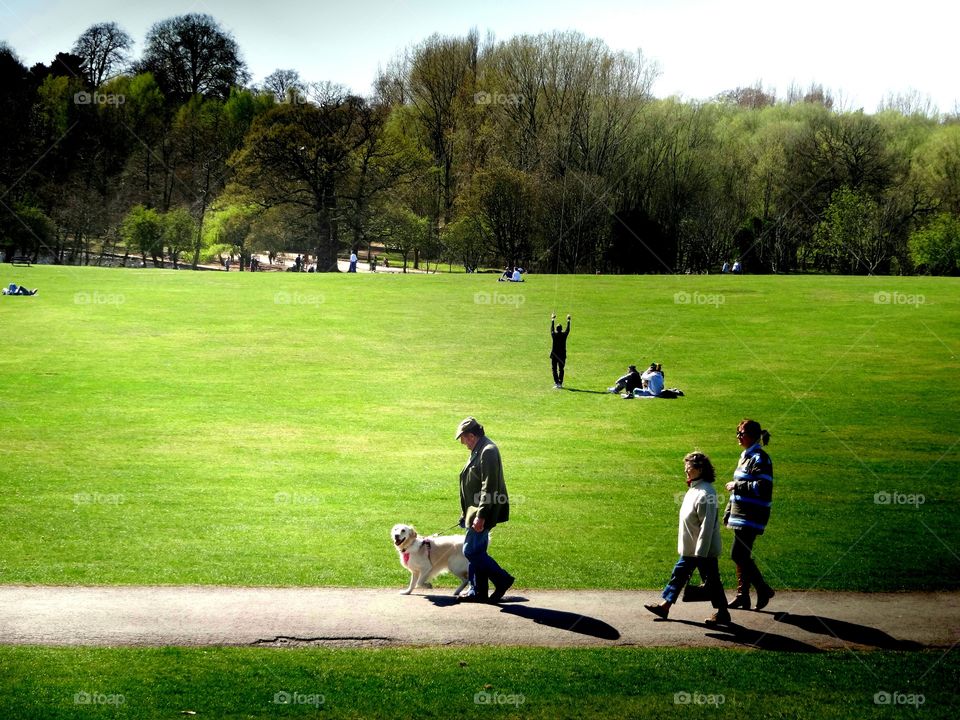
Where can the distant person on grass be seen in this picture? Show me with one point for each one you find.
(629, 382)
(14, 289)
(483, 504)
(651, 382)
(748, 510)
(558, 353)
(698, 541)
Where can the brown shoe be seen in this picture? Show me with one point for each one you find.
(720, 617)
(659, 610)
(763, 597)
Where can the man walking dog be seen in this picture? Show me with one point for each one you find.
(483, 504)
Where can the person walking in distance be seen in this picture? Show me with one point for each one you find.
(484, 504)
(748, 510)
(558, 354)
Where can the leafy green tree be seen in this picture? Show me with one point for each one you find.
(935, 248)
(303, 156)
(852, 236)
(142, 231)
(179, 232)
(401, 230)
(25, 230)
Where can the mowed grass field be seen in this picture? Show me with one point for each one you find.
(163, 427)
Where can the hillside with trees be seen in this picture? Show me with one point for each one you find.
(546, 151)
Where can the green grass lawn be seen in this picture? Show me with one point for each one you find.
(474, 682)
(164, 427)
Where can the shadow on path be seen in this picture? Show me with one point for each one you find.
(846, 631)
(752, 638)
(559, 619)
(562, 620)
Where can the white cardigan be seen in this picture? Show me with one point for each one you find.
(699, 533)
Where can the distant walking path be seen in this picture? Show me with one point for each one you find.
(341, 617)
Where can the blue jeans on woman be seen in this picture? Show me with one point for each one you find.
(482, 566)
(709, 568)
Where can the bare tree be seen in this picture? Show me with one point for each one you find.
(285, 86)
(104, 48)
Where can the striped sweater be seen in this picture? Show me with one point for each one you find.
(752, 495)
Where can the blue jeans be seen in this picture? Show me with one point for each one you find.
(482, 566)
(709, 568)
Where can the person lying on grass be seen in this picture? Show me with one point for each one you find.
(15, 289)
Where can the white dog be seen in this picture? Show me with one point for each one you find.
(426, 558)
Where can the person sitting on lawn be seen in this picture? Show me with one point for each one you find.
(629, 382)
(15, 289)
(652, 380)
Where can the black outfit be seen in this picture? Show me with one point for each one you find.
(558, 355)
(629, 382)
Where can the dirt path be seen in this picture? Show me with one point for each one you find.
(339, 617)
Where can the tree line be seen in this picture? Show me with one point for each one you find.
(545, 151)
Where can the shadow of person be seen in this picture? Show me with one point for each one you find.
(443, 600)
(592, 392)
(846, 631)
(754, 638)
(451, 600)
(563, 620)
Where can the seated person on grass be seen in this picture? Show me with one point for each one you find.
(629, 382)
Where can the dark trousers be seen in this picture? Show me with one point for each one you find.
(556, 363)
(709, 568)
(742, 556)
(482, 567)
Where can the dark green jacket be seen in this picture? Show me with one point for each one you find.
(483, 492)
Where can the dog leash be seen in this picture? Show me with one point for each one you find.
(445, 531)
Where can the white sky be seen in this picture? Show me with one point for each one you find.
(860, 50)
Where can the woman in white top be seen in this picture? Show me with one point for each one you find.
(698, 541)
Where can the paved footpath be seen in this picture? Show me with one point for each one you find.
(342, 617)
